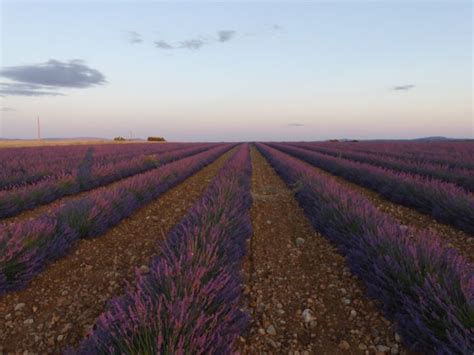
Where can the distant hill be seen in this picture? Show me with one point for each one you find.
(436, 138)
(422, 139)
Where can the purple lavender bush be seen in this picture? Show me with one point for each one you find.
(452, 154)
(426, 288)
(189, 302)
(461, 177)
(28, 165)
(28, 246)
(445, 202)
(88, 176)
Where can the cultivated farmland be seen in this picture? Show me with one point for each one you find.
(218, 248)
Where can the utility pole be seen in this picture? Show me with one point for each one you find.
(39, 127)
(131, 135)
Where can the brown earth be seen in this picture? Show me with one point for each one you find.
(61, 304)
(301, 296)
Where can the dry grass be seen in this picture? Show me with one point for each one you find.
(41, 143)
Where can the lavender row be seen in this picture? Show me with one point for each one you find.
(23, 166)
(454, 155)
(461, 177)
(445, 202)
(13, 202)
(427, 289)
(189, 302)
(451, 148)
(28, 246)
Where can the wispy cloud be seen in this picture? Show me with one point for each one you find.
(296, 124)
(21, 89)
(403, 87)
(134, 37)
(197, 42)
(225, 35)
(43, 78)
(193, 44)
(163, 45)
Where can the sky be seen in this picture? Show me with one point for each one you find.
(236, 71)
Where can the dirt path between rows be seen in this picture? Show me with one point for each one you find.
(61, 304)
(453, 237)
(301, 296)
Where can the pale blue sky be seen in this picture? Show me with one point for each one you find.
(290, 71)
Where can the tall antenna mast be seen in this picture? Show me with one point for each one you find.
(39, 128)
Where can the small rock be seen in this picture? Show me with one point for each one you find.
(271, 330)
(261, 331)
(299, 241)
(383, 348)
(144, 269)
(307, 315)
(362, 346)
(269, 222)
(54, 319)
(28, 321)
(353, 313)
(398, 338)
(272, 343)
(19, 306)
(344, 345)
(66, 328)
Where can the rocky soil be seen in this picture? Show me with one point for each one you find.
(60, 306)
(301, 296)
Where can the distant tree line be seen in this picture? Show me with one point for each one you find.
(156, 139)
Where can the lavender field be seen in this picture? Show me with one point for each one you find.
(194, 284)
